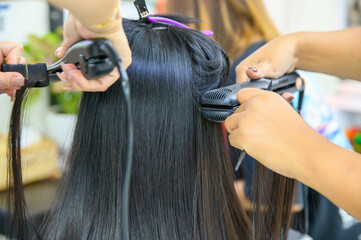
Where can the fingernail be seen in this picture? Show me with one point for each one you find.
(253, 69)
(18, 82)
(288, 96)
(57, 51)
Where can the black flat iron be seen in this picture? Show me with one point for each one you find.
(91, 57)
(218, 104)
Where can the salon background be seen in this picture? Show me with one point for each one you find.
(48, 129)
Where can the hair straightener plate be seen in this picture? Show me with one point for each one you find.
(218, 104)
(91, 57)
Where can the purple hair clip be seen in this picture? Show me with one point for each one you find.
(208, 33)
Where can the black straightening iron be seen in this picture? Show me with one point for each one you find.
(218, 104)
(91, 57)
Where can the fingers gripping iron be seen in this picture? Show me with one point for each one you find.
(218, 104)
(90, 57)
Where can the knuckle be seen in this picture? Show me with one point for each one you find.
(227, 124)
(231, 139)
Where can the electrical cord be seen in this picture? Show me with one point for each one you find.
(306, 216)
(306, 209)
(129, 153)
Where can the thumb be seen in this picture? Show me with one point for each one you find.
(11, 80)
(245, 73)
(262, 70)
(60, 52)
(246, 94)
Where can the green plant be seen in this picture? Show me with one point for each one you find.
(42, 49)
(63, 101)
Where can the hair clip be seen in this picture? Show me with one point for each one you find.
(208, 33)
(142, 8)
(143, 12)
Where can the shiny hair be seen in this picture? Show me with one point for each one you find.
(234, 22)
(182, 182)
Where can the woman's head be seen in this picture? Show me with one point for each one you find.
(182, 181)
(236, 23)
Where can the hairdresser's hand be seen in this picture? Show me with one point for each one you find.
(272, 132)
(11, 81)
(75, 31)
(272, 60)
(75, 81)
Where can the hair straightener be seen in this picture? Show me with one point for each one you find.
(218, 104)
(92, 57)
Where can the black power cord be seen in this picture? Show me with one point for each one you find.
(129, 126)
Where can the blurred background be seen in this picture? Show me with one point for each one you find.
(50, 117)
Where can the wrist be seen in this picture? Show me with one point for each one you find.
(110, 31)
(311, 159)
(292, 40)
(114, 25)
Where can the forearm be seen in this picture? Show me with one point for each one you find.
(89, 12)
(335, 172)
(336, 53)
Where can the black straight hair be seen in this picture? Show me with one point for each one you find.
(182, 182)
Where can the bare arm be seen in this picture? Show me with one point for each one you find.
(335, 172)
(271, 131)
(89, 12)
(337, 53)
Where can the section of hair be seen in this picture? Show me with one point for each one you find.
(272, 198)
(19, 221)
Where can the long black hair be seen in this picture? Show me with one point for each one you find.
(182, 183)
